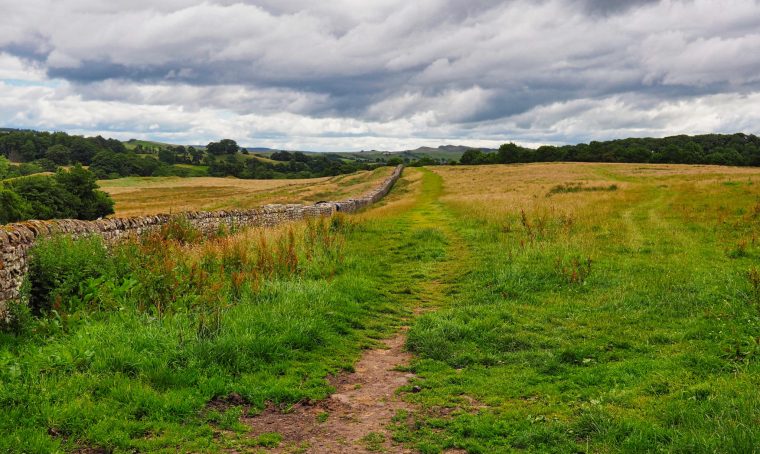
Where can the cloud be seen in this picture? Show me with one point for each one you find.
(353, 73)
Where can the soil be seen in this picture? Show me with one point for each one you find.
(354, 418)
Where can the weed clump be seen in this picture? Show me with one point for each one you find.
(578, 187)
(753, 276)
(740, 249)
(174, 268)
(180, 230)
(575, 270)
(62, 271)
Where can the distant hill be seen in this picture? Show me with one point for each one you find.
(260, 149)
(442, 153)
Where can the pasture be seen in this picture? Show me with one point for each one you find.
(136, 196)
(543, 308)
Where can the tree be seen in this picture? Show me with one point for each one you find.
(46, 198)
(281, 156)
(28, 151)
(47, 165)
(88, 202)
(195, 154)
(59, 154)
(181, 155)
(223, 147)
(472, 156)
(83, 150)
(166, 155)
(5, 167)
(29, 168)
(115, 145)
(508, 153)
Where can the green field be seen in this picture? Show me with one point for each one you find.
(548, 308)
(133, 143)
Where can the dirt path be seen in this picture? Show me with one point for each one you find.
(353, 419)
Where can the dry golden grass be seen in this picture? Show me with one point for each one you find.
(153, 195)
(493, 191)
(647, 199)
(404, 196)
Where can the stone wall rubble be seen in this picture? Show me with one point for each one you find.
(16, 239)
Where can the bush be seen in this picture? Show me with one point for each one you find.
(181, 230)
(12, 207)
(59, 268)
(17, 319)
(46, 198)
(82, 185)
(68, 194)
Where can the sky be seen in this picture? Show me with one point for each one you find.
(346, 75)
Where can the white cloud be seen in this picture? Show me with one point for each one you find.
(353, 74)
(13, 68)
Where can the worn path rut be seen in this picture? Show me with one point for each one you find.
(354, 419)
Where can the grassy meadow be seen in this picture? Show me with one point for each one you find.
(602, 308)
(136, 196)
(551, 308)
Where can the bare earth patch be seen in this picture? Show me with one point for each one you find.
(354, 418)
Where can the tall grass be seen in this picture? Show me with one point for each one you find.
(60, 268)
(594, 321)
(128, 343)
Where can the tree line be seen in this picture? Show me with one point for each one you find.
(720, 149)
(109, 158)
(287, 165)
(38, 151)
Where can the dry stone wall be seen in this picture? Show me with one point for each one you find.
(16, 239)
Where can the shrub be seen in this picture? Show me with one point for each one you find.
(12, 207)
(89, 203)
(47, 199)
(179, 229)
(18, 318)
(59, 268)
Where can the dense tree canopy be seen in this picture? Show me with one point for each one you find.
(297, 165)
(67, 194)
(734, 149)
(109, 158)
(223, 147)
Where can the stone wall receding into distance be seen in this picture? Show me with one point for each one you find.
(16, 239)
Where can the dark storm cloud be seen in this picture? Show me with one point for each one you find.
(429, 67)
(613, 6)
(91, 71)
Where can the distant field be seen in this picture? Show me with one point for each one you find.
(132, 144)
(151, 195)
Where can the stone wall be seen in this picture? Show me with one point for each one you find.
(16, 239)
